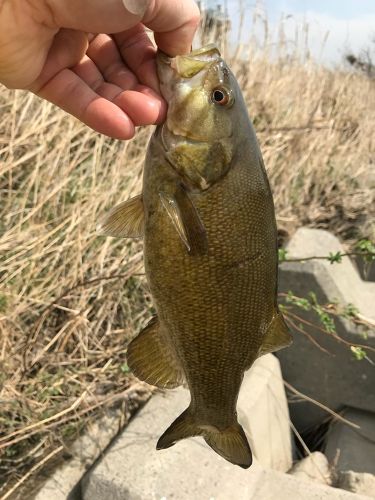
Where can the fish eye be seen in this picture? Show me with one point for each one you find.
(221, 96)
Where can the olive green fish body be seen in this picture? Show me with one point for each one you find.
(216, 307)
(207, 218)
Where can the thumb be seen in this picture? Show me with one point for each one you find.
(174, 22)
(97, 16)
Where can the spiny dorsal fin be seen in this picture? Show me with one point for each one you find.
(125, 220)
(186, 220)
(151, 358)
(277, 335)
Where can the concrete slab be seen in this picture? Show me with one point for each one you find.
(133, 470)
(352, 449)
(335, 379)
(357, 482)
(64, 481)
(263, 413)
(314, 467)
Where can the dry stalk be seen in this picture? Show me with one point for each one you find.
(70, 301)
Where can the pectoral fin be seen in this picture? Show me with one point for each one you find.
(277, 335)
(186, 220)
(151, 358)
(126, 220)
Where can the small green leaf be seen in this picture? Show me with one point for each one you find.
(350, 311)
(282, 308)
(313, 299)
(282, 254)
(124, 368)
(298, 301)
(368, 248)
(335, 257)
(358, 352)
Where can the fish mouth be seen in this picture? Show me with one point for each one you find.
(169, 139)
(189, 65)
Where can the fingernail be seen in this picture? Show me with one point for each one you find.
(136, 7)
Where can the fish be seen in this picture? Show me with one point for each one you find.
(207, 219)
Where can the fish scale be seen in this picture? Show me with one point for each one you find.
(210, 249)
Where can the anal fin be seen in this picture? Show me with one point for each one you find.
(152, 359)
(277, 336)
(125, 220)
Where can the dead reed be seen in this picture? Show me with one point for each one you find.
(70, 300)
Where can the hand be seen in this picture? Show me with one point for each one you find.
(93, 58)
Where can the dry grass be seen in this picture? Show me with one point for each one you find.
(64, 319)
(70, 301)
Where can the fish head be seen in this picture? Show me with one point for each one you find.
(203, 122)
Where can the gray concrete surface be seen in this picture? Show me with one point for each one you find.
(64, 481)
(314, 467)
(357, 482)
(352, 449)
(263, 412)
(132, 469)
(336, 378)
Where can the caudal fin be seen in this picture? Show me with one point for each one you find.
(184, 426)
(230, 443)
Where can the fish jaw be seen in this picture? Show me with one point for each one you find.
(187, 83)
(200, 135)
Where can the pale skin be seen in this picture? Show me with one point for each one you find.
(93, 58)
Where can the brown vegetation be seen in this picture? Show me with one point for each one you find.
(70, 300)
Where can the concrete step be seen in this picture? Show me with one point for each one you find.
(334, 378)
(132, 469)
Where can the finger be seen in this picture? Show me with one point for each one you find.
(139, 54)
(173, 21)
(72, 94)
(142, 105)
(104, 52)
(96, 16)
(67, 49)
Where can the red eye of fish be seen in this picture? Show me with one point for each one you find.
(221, 96)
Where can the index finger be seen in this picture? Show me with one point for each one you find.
(174, 23)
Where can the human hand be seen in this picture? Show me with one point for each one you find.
(93, 58)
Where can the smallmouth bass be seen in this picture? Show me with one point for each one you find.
(207, 217)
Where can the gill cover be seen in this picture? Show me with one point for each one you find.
(198, 133)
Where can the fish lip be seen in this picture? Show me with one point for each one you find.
(163, 130)
(207, 54)
(178, 138)
(210, 48)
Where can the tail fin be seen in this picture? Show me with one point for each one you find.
(230, 443)
(183, 427)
